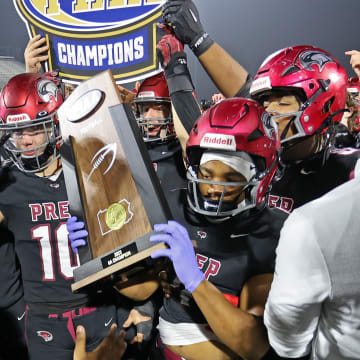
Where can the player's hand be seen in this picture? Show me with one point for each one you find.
(167, 46)
(142, 317)
(183, 17)
(217, 98)
(181, 253)
(111, 348)
(354, 61)
(77, 233)
(127, 96)
(34, 53)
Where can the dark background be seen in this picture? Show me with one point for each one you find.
(248, 29)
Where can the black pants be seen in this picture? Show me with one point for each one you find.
(52, 336)
(12, 339)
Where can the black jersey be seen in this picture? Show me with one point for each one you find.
(11, 289)
(310, 179)
(169, 167)
(229, 253)
(36, 210)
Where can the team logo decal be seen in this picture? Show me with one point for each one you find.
(201, 234)
(47, 336)
(89, 36)
(99, 157)
(308, 58)
(47, 90)
(115, 216)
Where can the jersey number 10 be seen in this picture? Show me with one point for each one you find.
(66, 263)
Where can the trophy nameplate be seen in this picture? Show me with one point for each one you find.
(110, 181)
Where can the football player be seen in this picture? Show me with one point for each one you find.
(303, 87)
(232, 155)
(34, 207)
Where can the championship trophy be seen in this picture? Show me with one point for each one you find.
(111, 184)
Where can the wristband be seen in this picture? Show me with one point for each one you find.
(201, 44)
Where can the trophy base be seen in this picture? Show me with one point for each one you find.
(122, 262)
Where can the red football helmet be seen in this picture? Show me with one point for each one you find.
(354, 89)
(154, 92)
(237, 128)
(28, 105)
(311, 74)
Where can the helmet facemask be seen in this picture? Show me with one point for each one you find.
(40, 156)
(153, 129)
(245, 197)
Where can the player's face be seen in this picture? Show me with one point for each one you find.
(153, 113)
(217, 171)
(32, 138)
(285, 104)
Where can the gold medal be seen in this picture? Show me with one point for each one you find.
(115, 216)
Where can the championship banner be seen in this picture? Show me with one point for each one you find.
(89, 36)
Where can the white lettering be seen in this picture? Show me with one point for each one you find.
(139, 47)
(102, 55)
(90, 53)
(61, 50)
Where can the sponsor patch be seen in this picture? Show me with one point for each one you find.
(218, 141)
(260, 84)
(18, 117)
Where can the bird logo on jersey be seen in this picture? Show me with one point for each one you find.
(47, 336)
(202, 234)
(308, 58)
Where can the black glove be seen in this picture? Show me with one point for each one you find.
(183, 17)
(177, 74)
(145, 327)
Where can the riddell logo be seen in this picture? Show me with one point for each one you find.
(260, 84)
(18, 117)
(219, 141)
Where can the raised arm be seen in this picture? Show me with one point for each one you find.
(227, 74)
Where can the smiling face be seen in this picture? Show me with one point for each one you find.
(217, 171)
(154, 119)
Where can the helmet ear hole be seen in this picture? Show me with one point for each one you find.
(327, 105)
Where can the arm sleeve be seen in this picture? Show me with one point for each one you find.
(244, 92)
(186, 107)
(301, 283)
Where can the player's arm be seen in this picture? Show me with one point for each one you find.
(243, 332)
(185, 109)
(228, 75)
(240, 330)
(34, 53)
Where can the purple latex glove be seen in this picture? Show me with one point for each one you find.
(181, 253)
(77, 233)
